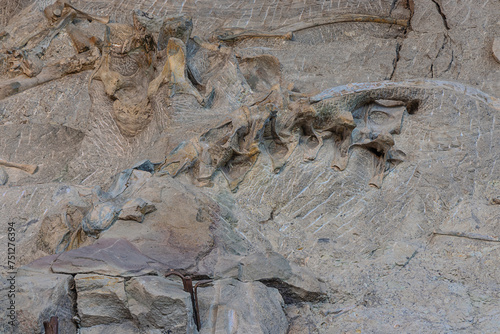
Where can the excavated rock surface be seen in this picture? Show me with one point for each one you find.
(330, 165)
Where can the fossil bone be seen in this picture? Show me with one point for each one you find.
(376, 124)
(31, 169)
(26, 57)
(174, 72)
(77, 63)
(231, 147)
(286, 32)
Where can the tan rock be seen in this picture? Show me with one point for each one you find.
(135, 209)
(231, 306)
(101, 300)
(157, 303)
(496, 49)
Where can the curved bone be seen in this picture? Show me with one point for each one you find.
(354, 95)
(286, 32)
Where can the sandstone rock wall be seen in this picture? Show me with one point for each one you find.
(334, 160)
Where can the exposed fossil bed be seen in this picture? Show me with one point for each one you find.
(330, 166)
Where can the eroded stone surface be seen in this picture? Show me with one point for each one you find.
(38, 297)
(158, 303)
(107, 256)
(101, 300)
(228, 95)
(259, 312)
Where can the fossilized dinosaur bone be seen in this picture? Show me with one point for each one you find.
(365, 115)
(57, 70)
(31, 169)
(404, 96)
(174, 72)
(127, 69)
(25, 58)
(410, 91)
(376, 124)
(313, 124)
(235, 34)
(286, 32)
(59, 14)
(60, 8)
(231, 147)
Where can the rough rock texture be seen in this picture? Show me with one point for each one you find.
(259, 312)
(331, 165)
(101, 300)
(112, 256)
(42, 296)
(154, 302)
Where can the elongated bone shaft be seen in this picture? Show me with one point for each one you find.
(31, 169)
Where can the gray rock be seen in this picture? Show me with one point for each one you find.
(100, 218)
(231, 306)
(159, 303)
(294, 282)
(353, 236)
(101, 300)
(115, 257)
(145, 165)
(178, 234)
(264, 266)
(39, 266)
(4, 177)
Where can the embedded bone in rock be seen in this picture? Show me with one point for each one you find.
(174, 71)
(230, 147)
(336, 161)
(376, 124)
(102, 217)
(126, 71)
(178, 27)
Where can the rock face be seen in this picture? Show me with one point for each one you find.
(42, 296)
(101, 300)
(315, 167)
(157, 303)
(259, 312)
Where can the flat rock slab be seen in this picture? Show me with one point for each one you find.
(116, 257)
(39, 266)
